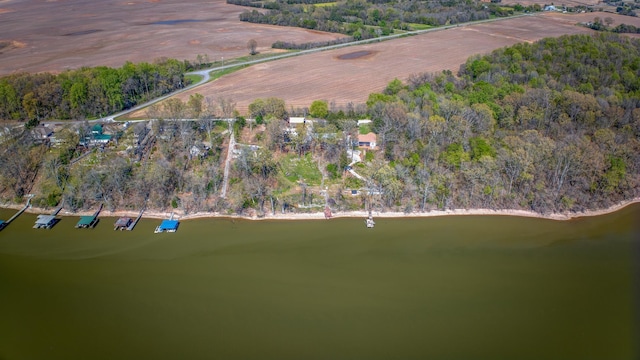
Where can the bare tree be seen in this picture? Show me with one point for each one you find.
(252, 45)
(227, 107)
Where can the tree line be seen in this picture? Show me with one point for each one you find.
(87, 92)
(369, 19)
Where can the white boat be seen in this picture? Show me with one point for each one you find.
(369, 221)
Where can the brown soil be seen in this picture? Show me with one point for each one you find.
(57, 35)
(327, 76)
(355, 55)
(69, 34)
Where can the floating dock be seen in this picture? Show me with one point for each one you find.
(127, 223)
(369, 221)
(89, 222)
(122, 223)
(169, 225)
(47, 221)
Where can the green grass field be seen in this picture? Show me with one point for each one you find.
(415, 26)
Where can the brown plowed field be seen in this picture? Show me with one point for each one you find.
(351, 74)
(54, 35)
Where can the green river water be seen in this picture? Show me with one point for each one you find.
(463, 287)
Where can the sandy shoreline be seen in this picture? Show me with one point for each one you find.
(155, 214)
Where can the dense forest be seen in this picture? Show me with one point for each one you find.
(552, 126)
(87, 92)
(369, 19)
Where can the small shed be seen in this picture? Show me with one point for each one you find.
(122, 223)
(167, 226)
(45, 222)
(297, 120)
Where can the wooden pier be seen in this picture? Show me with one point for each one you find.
(56, 211)
(133, 224)
(4, 224)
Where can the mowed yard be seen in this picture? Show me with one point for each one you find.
(349, 75)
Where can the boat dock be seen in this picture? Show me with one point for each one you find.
(169, 225)
(127, 223)
(47, 221)
(369, 221)
(88, 222)
(4, 224)
(122, 223)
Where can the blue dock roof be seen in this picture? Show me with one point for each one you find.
(169, 225)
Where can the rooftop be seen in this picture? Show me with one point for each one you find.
(123, 221)
(85, 220)
(169, 225)
(370, 137)
(45, 219)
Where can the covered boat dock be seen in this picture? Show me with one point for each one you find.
(122, 223)
(87, 222)
(167, 226)
(45, 222)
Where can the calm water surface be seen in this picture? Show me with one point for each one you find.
(468, 287)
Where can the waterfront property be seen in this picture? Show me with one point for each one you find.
(45, 222)
(167, 226)
(122, 223)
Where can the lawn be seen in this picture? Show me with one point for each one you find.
(416, 26)
(303, 169)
